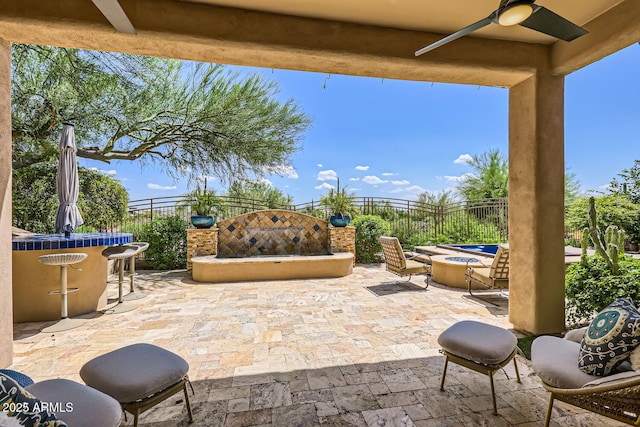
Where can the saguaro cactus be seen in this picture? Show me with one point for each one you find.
(608, 247)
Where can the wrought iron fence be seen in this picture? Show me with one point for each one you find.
(414, 223)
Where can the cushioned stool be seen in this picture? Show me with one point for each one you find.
(78, 405)
(480, 347)
(138, 376)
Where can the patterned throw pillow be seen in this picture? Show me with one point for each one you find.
(20, 408)
(610, 338)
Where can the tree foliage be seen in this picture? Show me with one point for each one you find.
(189, 119)
(442, 198)
(102, 201)
(628, 184)
(489, 178)
(269, 196)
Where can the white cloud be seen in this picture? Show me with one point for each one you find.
(402, 182)
(463, 159)
(354, 179)
(266, 181)
(388, 174)
(152, 186)
(110, 172)
(410, 192)
(328, 175)
(324, 186)
(284, 170)
(455, 179)
(319, 165)
(373, 180)
(362, 168)
(209, 178)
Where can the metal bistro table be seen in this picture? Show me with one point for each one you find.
(33, 280)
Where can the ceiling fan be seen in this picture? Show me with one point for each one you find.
(519, 12)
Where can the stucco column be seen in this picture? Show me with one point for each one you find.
(536, 204)
(6, 314)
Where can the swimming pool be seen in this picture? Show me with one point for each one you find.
(489, 249)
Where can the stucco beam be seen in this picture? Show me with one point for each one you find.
(615, 29)
(225, 35)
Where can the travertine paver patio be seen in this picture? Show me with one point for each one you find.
(358, 350)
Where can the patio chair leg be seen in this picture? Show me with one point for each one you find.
(493, 394)
(515, 365)
(547, 420)
(444, 372)
(186, 400)
(479, 297)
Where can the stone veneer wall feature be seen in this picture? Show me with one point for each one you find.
(201, 241)
(343, 239)
(272, 232)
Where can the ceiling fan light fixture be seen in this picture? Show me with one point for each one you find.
(515, 14)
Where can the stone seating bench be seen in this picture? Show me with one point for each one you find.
(211, 269)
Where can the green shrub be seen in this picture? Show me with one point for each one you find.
(590, 286)
(612, 210)
(368, 229)
(167, 238)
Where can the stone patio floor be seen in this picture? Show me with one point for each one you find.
(355, 351)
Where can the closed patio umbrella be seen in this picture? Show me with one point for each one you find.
(68, 217)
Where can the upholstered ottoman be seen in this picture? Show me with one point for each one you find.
(480, 347)
(138, 376)
(78, 405)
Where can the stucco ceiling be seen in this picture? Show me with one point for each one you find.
(437, 16)
(374, 38)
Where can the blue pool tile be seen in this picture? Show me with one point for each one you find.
(29, 246)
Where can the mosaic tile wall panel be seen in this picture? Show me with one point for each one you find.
(272, 232)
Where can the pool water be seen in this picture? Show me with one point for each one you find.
(490, 249)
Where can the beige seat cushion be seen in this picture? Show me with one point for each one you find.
(413, 267)
(134, 372)
(88, 406)
(478, 342)
(555, 360)
(481, 274)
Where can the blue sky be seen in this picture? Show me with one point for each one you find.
(391, 138)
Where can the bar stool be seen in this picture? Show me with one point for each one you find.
(132, 295)
(63, 260)
(120, 254)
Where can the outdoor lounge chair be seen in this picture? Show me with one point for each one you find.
(495, 276)
(403, 263)
(555, 360)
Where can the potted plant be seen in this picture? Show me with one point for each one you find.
(204, 203)
(341, 205)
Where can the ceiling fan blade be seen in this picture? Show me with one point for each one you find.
(548, 22)
(463, 32)
(112, 10)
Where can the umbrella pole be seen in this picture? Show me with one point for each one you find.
(120, 279)
(63, 291)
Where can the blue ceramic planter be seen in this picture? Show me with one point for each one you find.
(340, 221)
(203, 221)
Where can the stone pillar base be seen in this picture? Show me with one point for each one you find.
(201, 241)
